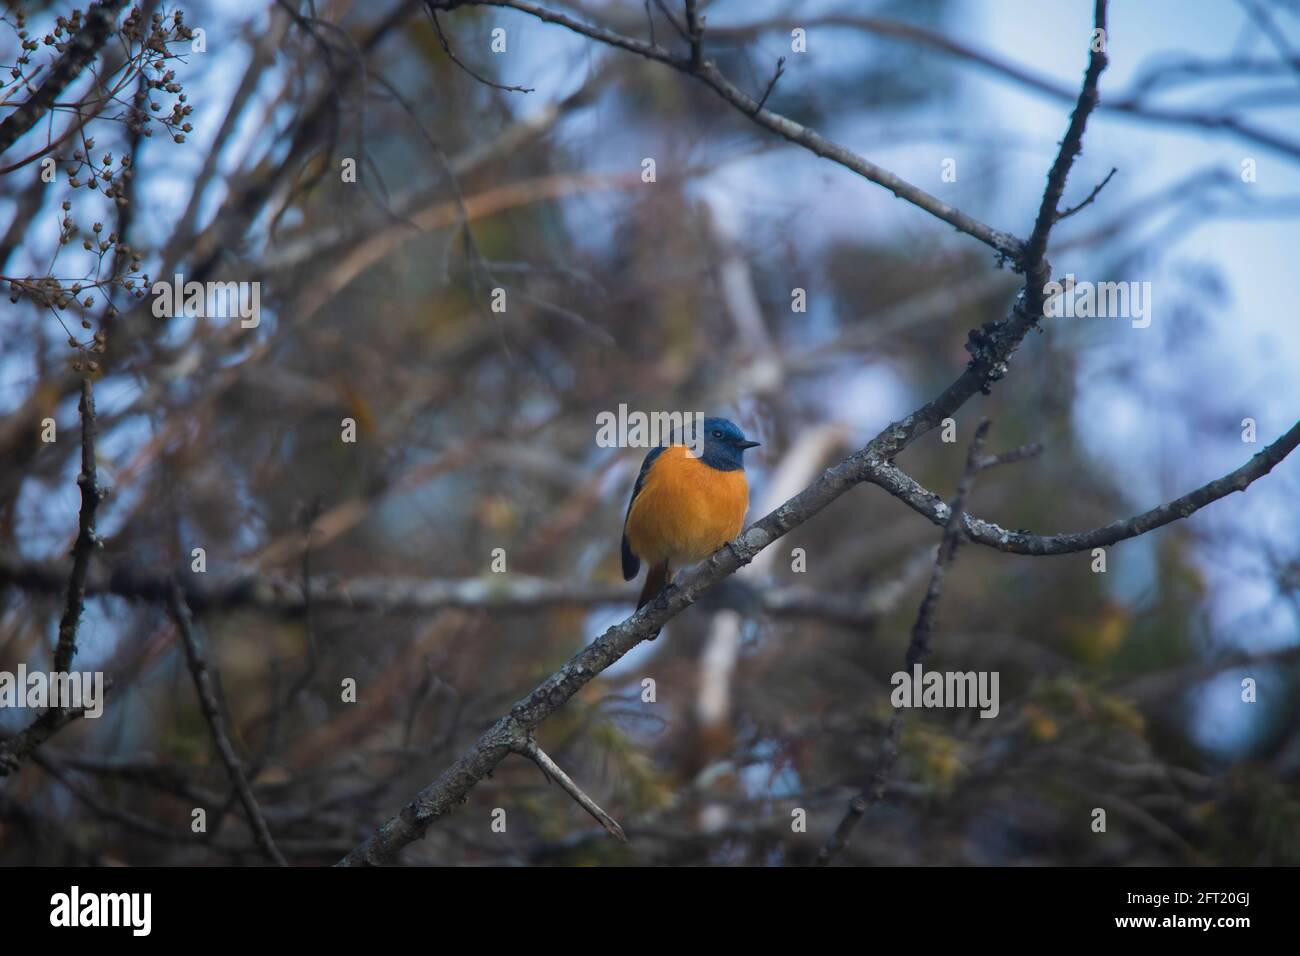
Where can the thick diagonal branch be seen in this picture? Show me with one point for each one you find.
(511, 731)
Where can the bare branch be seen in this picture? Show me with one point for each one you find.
(510, 732)
(1004, 243)
(1131, 102)
(989, 348)
(553, 772)
(1072, 145)
(446, 48)
(918, 649)
(87, 541)
(672, 20)
(926, 503)
(17, 748)
(695, 29)
(100, 20)
(1091, 196)
(1032, 450)
(203, 686)
(388, 595)
(771, 84)
(1268, 26)
(22, 745)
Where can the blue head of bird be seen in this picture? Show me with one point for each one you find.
(724, 444)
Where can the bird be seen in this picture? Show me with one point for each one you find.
(684, 507)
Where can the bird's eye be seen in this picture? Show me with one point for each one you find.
(717, 433)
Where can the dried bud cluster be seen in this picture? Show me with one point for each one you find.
(148, 42)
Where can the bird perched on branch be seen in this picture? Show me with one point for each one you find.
(685, 506)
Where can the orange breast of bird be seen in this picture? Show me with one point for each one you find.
(686, 510)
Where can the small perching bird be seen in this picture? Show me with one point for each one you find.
(684, 507)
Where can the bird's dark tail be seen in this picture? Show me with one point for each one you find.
(655, 579)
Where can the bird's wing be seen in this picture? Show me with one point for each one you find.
(631, 563)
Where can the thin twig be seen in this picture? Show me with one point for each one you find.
(312, 512)
(1268, 26)
(1132, 101)
(446, 48)
(1091, 196)
(203, 686)
(672, 20)
(695, 30)
(918, 649)
(771, 84)
(553, 772)
(1032, 450)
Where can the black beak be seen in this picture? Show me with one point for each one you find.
(749, 444)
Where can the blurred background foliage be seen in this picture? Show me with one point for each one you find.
(476, 431)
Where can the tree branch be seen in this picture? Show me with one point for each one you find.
(16, 749)
(22, 745)
(989, 347)
(451, 55)
(99, 23)
(918, 649)
(511, 731)
(1072, 145)
(771, 84)
(1066, 214)
(386, 595)
(553, 772)
(86, 541)
(1130, 102)
(1004, 243)
(695, 29)
(927, 503)
(216, 725)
